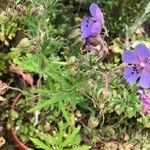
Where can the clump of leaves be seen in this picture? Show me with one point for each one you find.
(8, 25)
(64, 138)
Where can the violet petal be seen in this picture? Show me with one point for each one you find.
(130, 57)
(86, 25)
(142, 52)
(96, 12)
(145, 79)
(96, 27)
(131, 75)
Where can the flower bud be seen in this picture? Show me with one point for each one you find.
(25, 42)
(75, 33)
(93, 122)
(90, 84)
(47, 126)
(74, 71)
(72, 60)
(103, 95)
(39, 10)
(20, 8)
(78, 113)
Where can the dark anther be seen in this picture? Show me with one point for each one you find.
(86, 25)
(93, 21)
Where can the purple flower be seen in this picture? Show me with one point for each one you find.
(145, 99)
(90, 26)
(139, 65)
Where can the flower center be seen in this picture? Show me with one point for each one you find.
(142, 64)
(98, 47)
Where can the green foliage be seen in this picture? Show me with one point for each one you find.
(123, 101)
(8, 30)
(145, 121)
(29, 63)
(40, 144)
(71, 86)
(8, 25)
(60, 96)
(3, 58)
(17, 1)
(66, 138)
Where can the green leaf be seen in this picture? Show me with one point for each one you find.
(72, 138)
(30, 63)
(147, 9)
(55, 73)
(117, 46)
(40, 144)
(59, 79)
(71, 96)
(85, 105)
(46, 103)
(83, 147)
(66, 114)
(17, 1)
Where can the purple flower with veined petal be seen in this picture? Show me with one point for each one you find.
(139, 65)
(145, 99)
(90, 26)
